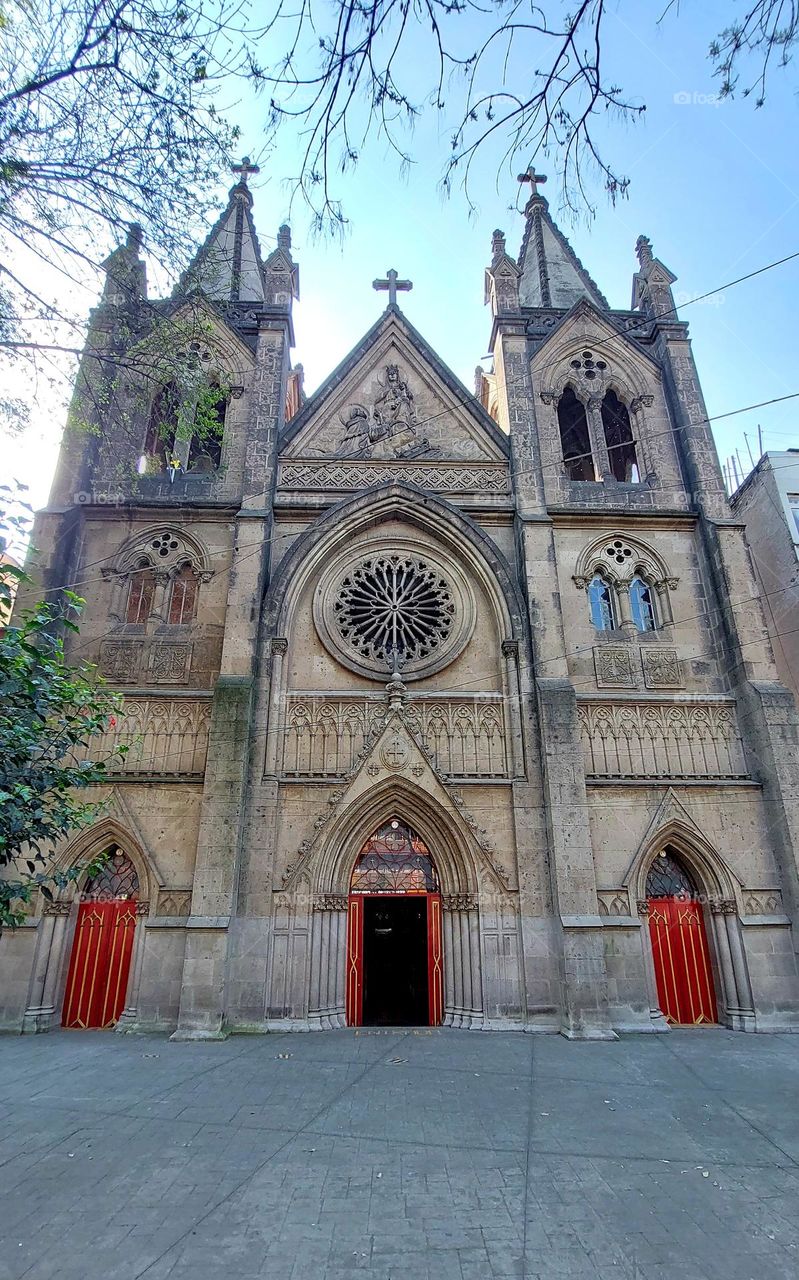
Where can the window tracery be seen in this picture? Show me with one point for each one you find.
(636, 579)
(157, 576)
(394, 860)
(667, 877)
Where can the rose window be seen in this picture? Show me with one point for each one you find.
(394, 608)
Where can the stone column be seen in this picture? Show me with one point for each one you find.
(453, 965)
(326, 1006)
(39, 1015)
(658, 1020)
(746, 1011)
(130, 1014)
(510, 652)
(626, 624)
(729, 992)
(473, 929)
(596, 432)
(273, 732)
(161, 596)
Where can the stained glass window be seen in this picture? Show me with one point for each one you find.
(116, 879)
(601, 604)
(183, 600)
(641, 605)
(140, 595)
(394, 860)
(667, 878)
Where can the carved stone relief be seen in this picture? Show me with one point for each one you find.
(641, 740)
(163, 735)
(169, 663)
(662, 668)
(613, 902)
(763, 902)
(119, 660)
(614, 667)
(388, 427)
(438, 477)
(323, 739)
(174, 902)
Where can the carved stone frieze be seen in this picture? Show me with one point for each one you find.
(162, 736)
(439, 477)
(661, 740)
(331, 902)
(459, 902)
(464, 738)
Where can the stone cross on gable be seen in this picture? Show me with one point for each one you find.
(245, 168)
(393, 285)
(533, 178)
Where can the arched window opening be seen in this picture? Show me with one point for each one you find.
(619, 439)
(668, 878)
(116, 878)
(641, 605)
(205, 449)
(140, 595)
(183, 598)
(161, 427)
(600, 602)
(574, 438)
(394, 860)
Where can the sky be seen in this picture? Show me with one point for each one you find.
(714, 184)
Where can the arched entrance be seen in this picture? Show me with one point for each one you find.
(99, 965)
(394, 949)
(683, 971)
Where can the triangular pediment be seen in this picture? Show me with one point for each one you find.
(392, 400)
(395, 755)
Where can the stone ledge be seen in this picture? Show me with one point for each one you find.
(780, 921)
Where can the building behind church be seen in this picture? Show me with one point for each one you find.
(443, 707)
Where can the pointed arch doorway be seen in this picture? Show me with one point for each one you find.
(99, 965)
(683, 969)
(394, 943)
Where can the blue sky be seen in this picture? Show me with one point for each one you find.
(714, 185)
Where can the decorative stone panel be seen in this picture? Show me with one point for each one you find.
(120, 660)
(613, 665)
(438, 477)
(169, 663)
(163, 736)
(661, 740)
(763, 902)
(662, 668)
(613, 902)
(174, 902)
(324, 738)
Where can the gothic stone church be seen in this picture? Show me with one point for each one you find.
(443, 707)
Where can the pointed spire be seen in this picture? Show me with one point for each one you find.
(652, 283)
(228, 267)
(125, 273)
(552, 274)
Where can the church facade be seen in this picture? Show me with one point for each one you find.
(442, 707)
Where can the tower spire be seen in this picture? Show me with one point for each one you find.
(551, 273)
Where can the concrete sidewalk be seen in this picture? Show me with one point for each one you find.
(400, 1156)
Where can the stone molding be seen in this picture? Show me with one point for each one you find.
(438, 476)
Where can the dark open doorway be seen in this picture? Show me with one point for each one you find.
(395, 961)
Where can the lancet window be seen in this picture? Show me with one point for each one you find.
(600, 601)
(642, 607)
(619, 439)
(575, 439)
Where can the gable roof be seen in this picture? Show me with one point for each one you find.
(392, 317)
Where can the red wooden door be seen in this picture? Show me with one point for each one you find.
(355, 962)
(435, 986)
(682, 961)
(97, 982)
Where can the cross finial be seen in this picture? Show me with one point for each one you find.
(393, 285)
(245, 168)
(533, 178)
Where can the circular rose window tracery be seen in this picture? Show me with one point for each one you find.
(394, 608)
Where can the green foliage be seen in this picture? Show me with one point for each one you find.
(50, 713)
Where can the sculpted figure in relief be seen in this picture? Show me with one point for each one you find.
(389, 430)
